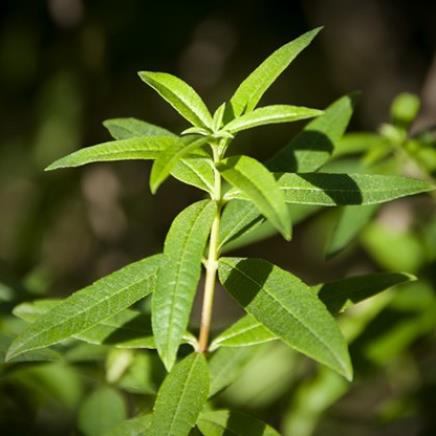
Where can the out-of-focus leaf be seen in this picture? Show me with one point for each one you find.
(226, 422)
(181, 397)
(254, 86)
(257, 184)
(404, 109)
(227, 364)
(274, 114)
(124, 128)
(89, 306)
(312, 148)
(359, 142)
(137, 426)
(101, 411)
(351, 221)
(176, 283)
(288, 308)
(180, 96)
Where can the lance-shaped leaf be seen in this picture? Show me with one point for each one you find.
(351, 220)
(335, 295)
(168, 158)
(287, 307)
(325, 189)
(181, 397)
(313, 146)
(180, 96)
(259, 186)
(226, 422)
(137, 426)
(146, 147)
(177, 282)
(127, 329)
(124, 128)
(196, 171)
(89, 306)
(226, 365)
(250, 91)
(274, 114)
(359, 142)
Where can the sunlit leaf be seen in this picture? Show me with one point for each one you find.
(124, 128)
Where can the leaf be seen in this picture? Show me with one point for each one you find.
(286, 306)
(101, 411)
(245, 332)
(250, 91)
(226, 365)
(177, 282)
(258, 185)
(336, 296)
(89, 306)
(181, 397)
(124, 128)
(312, 148)
(271, 115)
(325, 189)
(137, 426)
(197, 171)
(180, 96)
(168, 158)
(359, 142)
(351, 220)
(226, 422)
(144, 148)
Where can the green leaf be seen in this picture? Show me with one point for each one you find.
(137, 426)
(101, 411)
(226, 422)
(312, 148)
(325, 189)
(124, 128)
(144, 148)
(250, 91)
(180, 96)
(197, 171)
(359, 142)
(226, 365)
(351, 220)
(404, 109)
(181, 397)
(89, 306)
(271, 115)
(168, 158)
(245, 332)
(336, 296)
(259, 186)
(177, 282)
(286, 306)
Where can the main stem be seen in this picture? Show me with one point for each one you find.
(211, 265)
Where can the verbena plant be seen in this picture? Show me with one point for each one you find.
(242, 194)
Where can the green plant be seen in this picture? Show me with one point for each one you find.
(242, 196)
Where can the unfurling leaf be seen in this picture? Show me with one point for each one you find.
(180, 96)
(259, 186)
(181, 397)
(177, 282)
(287, 307)
(90, 306)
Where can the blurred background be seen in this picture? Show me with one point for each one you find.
(67, 65)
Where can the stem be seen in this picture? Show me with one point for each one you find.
(211, 265)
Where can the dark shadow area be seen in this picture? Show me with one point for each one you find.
(137, 327)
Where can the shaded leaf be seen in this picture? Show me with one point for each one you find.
(312, 148)
(181, 397)
(177, 282)
(89, 306)
(259, 186)
(271, 115)
(226, 422)
(250, 91)
(287, 307)
(180, 96)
